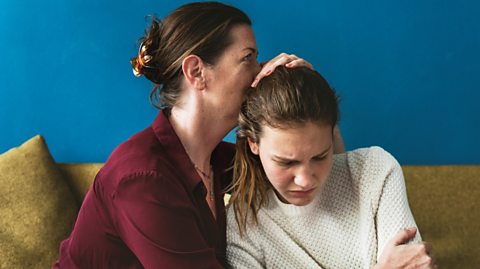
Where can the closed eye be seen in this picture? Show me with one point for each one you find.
(287, 163)
(248, 57)
(319, 158)
(251, 56)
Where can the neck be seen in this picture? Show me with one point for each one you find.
(199, 132)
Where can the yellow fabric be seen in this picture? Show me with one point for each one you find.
(444, 201)
(80, 177)
(37, 208)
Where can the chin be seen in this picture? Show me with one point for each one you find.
(302, 202)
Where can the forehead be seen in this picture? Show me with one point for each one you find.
(242, 38)
(308, 138)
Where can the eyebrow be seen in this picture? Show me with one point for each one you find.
(283, 159)
(254, 50)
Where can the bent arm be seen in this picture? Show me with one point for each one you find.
(394, 212)
(399, 242)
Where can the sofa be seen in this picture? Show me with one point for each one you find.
(39, 200)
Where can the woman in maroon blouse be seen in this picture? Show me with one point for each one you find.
(158, 200)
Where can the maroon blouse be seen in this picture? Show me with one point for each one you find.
(147, 208)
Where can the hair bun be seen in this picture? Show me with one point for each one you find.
(136, 67)
(144, 63)
(141, 61)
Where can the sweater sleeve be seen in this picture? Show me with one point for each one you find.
(155, 219)
(394, 211)
(243, 252)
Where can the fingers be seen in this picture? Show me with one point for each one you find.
(417, 255)
(428, 247)
(298, 63)
(430, 260)
(403, 236)
(399, 253)
(288, 60)
(424, 256)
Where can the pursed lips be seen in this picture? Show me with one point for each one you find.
(302, 192)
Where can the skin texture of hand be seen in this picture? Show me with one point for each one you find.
(399, 254)
(289, 60)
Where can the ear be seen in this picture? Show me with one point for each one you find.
(193, 70)
(253, 146)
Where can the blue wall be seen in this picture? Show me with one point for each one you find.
(407, 71)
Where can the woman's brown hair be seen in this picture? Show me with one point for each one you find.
(200, 28)
(289, 97)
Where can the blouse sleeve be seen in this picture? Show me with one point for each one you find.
(394, 211)
(156, 220)
(243, 252)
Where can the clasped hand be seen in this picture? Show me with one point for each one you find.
(398, 253)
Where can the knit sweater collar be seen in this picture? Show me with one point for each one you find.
(292, 210)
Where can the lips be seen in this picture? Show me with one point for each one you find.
(302, 193)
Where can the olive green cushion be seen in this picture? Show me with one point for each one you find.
(445, 202)
(37, 208)
(80, 177)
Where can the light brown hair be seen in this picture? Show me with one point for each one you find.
(289, 97)
(200, 28)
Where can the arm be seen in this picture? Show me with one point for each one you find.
(156, 220)
(399, 242)
(394, 212)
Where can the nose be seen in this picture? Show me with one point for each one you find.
(305, 178)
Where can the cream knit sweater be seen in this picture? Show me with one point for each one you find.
(362, 205)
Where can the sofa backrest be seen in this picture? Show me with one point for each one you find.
(445, 203)
(443, 199)
(80, 177)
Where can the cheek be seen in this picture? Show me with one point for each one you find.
(324, 168)
(246, 75)
(277, 176)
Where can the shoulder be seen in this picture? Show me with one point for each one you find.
(365, 168)
(375, 152)
(372, 168)
(363, 163)
(370, 160)
(136, 151)
(141, 152)
(253, 239)
(252, 230)
(140, 160)
(150, 186)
